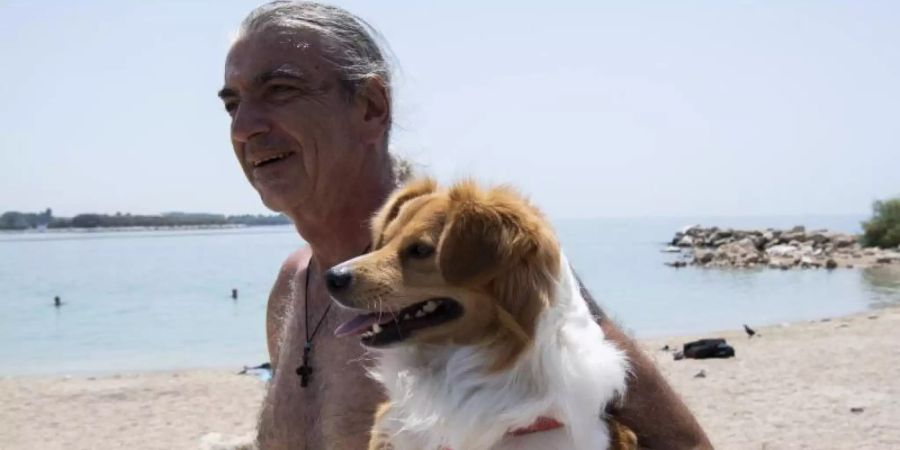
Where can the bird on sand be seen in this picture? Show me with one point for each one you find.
(750, 331)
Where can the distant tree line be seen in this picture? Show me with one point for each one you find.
(15, 220)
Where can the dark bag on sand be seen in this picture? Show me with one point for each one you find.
(708, 348)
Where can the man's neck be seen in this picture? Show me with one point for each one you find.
(343, 231)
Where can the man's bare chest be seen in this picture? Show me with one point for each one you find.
(335, 408)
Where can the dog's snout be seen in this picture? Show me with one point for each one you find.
(338, 278)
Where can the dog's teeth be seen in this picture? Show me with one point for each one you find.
(376, 328)
(430, 306)
(420, 313)
(406, 316)
(367, 334)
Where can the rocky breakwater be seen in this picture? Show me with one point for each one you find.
(777, 249)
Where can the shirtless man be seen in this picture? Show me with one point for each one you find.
(309, 95)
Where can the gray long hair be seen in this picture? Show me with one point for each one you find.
(355, 48)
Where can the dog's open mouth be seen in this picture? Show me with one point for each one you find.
(381, 329)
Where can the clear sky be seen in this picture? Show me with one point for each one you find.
(595, 109)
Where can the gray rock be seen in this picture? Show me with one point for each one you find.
(780, 265)
(802, 237)
(843, 240)
(692, 230)
(752, 258)
(783, 250)
(726, 247)
(775, 241)
(703, 256)
(721, 242)
(759, 242)
(740, 253)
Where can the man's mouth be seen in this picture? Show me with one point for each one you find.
(270, 159)
(382, 329)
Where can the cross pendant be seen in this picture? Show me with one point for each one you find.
(305, 371)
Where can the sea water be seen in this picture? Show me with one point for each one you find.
(160, 300)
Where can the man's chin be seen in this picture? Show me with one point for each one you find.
(275, 199)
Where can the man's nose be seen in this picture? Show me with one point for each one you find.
(338, 278)
(249, 120)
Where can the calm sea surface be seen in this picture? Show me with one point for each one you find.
(156, 300)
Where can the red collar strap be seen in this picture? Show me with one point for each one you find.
(541, 424)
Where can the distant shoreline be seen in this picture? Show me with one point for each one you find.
(41, 221)
(136, 228)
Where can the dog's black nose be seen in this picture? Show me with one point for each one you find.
(338, 278)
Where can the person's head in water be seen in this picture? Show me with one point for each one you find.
(57, 302)
(308, 90)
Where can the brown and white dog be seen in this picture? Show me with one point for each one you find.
(482, 337)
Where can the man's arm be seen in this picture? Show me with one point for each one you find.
(651, 408)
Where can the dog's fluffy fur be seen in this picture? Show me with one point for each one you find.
(524, 347)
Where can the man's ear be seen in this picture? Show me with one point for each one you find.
(374, 108)
(478, 243)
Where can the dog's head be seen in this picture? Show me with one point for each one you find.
(456, 266)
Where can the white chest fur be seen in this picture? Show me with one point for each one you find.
(442, 398)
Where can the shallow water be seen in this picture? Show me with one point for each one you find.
(157, 300)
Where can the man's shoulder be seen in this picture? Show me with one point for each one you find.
(292, 266)
(297, 260)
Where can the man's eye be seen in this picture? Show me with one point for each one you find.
(231, 107)
(281, 89)
(419, 250)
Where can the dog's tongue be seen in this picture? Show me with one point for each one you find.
(356, 325)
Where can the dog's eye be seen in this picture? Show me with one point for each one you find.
(419, 250)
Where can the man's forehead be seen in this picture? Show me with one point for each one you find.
(295, 52)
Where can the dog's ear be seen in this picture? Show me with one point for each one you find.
(391, 208)
(481, 237)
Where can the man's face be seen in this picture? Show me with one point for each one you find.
(292, 126)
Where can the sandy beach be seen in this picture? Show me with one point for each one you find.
(794, 386)
(135, 411)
